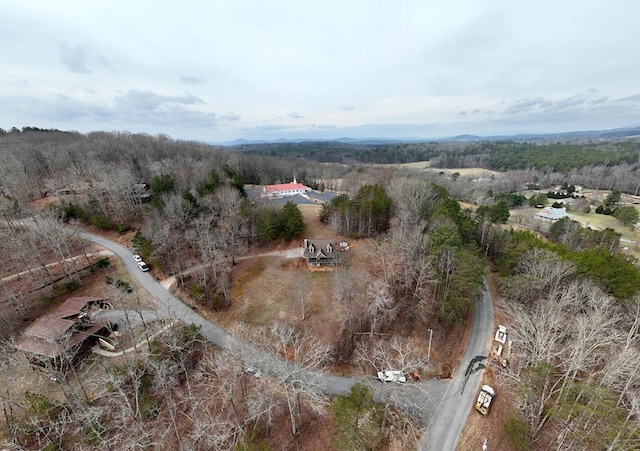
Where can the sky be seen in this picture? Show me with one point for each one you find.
(221, 70)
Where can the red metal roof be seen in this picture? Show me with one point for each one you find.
(285, 187)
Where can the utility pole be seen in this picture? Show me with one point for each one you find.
(429, 351)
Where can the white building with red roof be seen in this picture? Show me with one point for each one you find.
(285, 189)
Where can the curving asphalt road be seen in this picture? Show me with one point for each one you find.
(445, 427)
(436, 403)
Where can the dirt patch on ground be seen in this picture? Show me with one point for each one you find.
(314, 434)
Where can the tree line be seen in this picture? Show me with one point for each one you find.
(541, 159)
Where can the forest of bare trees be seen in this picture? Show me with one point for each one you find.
(575, 359)
(575, 325)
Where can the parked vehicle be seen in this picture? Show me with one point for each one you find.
(498, 347)
(253, 372)
(143, 266)
(137, 258)
(485, 397)
(501, 334)
(392, 376)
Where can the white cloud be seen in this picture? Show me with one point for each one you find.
(420, 68)
(75, 58)
(147, 100)
(190, 80)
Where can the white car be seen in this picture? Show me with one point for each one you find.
(253, 372)
(392, 376)
(137, 258)
(143, 266)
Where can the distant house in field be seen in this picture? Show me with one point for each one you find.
(56, 340)
(551, 214)
(285, 189)
(322, 252)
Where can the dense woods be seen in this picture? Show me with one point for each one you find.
(597, 165)
(190, 207)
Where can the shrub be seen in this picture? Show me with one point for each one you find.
(93, 433)
(120, 284)
(518, 433)
(219, 302)
(149, 407)
(71, 211)
(197, 291)
(102, 222)
(124, 286)
(70, 285)
(103, 263)
(142, 244)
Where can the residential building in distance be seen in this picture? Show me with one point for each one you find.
(285, 189)
(551, 214)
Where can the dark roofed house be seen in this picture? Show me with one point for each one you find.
(58, 339)
(142, 192)
(322, 253)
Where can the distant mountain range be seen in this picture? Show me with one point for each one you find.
(582, 135)
(576, 136)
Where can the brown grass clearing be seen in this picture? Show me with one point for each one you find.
(313, 227)
(269, 289)
(426, 165)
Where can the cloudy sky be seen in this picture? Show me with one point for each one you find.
(220, 70)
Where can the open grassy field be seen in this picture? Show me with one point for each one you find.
(426, 165)
(470, 172)
(630, 236)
